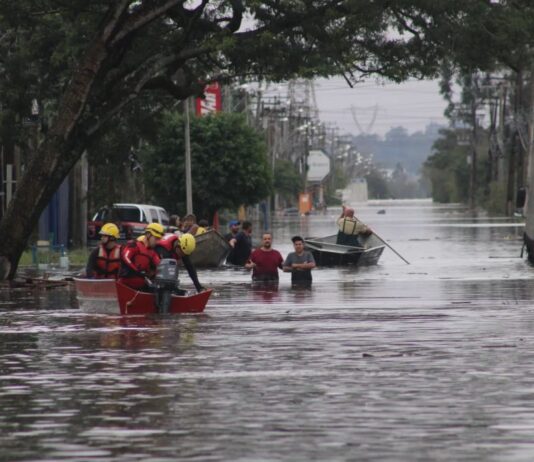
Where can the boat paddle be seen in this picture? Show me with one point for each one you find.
(397, 253)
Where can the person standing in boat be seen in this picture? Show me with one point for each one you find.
(190, 224)
(104, 261)
(265, 261)
(139, 260)
(350, 228)
(241, 245)
(299, 263)
(180, 248)
(203, 227)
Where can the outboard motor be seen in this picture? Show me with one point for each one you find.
(165, 283)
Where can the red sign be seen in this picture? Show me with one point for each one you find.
(212, 103)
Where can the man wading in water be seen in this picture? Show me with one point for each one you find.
(299, 263)
(265, 261)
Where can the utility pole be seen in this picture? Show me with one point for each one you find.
(529, 205)
(473, 163)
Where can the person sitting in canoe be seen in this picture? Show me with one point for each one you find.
(179, 248)
(104, 261)
(139, 260)
(350, 228)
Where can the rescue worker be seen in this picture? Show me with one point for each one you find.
(139, 260)
(104, 261)
(180, 248)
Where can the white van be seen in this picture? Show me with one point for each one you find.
(130, 218)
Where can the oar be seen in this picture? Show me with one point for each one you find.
(398, 254)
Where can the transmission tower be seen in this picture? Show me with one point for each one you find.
(354, 111)
(301, 96)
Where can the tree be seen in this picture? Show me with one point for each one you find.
(377, 184)
(447, 169)
(229, 164)
(288, 181)
(84, 63)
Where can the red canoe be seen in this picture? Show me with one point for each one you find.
(132, 301)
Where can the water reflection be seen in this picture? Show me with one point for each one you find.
(427, 361)
(265, 291)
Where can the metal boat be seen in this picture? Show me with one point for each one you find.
(211, 251)
(327, 253)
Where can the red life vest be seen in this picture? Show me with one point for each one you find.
(108, 262)
(165, 247)
(136, 257)
(139, 257)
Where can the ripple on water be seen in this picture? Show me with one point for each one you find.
(427, 361)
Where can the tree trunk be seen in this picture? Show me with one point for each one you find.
(50, 163)
(42, 177)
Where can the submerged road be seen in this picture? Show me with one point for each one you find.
(427, 361)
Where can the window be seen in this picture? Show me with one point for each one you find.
(153, 216)
(101, 215)
(164, 218)
(127, 214)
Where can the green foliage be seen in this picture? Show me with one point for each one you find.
(377, 185)
(288, 182)
(338, 180)
(87, 62)
(229, 164)
(399, 146)
(447, 170)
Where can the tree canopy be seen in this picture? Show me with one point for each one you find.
(84, 63)
(229, 164)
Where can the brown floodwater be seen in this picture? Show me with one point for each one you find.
(427, 361)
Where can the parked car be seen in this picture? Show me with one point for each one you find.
(130, 218)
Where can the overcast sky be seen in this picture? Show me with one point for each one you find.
(413, 105)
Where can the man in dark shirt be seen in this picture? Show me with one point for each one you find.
(241, 245)
(234, 229)
(299, 263)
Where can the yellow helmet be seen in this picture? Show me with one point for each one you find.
(109, 229)
(155, 229)
(188, 243)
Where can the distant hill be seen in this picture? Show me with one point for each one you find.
(398, 146)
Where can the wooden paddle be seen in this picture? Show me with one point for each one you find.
(397, 253)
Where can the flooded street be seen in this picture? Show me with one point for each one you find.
(428, 361)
